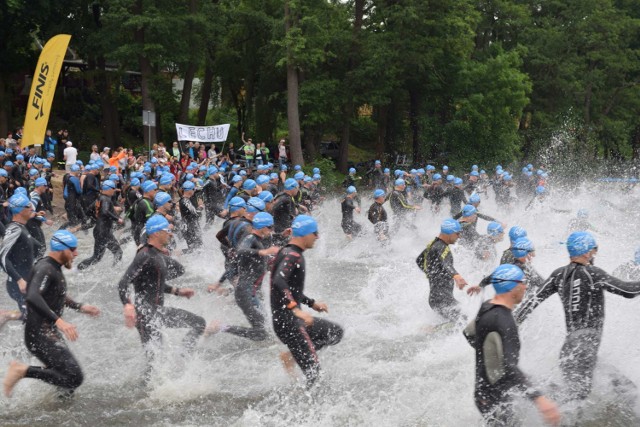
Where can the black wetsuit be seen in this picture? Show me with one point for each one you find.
(436, 262)
(213, 193)
(456, 198)
(143, 209)
(287, 292)
(507, 257)
(149, 272)
(377, 215)
(494, 335)
(400, 207)
(190, 218)
(349, 226)
(435, 193)
(46, 299)
(103, 234)
(34, 225)
(469, 235)
(284, 210)
(251, 270)
(581, 291)
(72, 193)
(17, 255)
(90, 193)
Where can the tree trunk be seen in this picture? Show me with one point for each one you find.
(185, 98)
(414, 108)
(635, 144)
(5, 107)
(110, 119)
(343, 152)
(293, 118)
(146, 71)
(205, 96)
(382, 115)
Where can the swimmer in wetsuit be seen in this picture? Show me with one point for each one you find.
(149, 272)
(485, 249)
(494, 336)
(44, 327)
(252, 266)
(469, 235)
(377, 215)
(516, 232)
(349, 226)
(436, 262)
(18, 250)
(581, 288)
(190, 215)
(400, 206)
(284, 210)
(302, 333)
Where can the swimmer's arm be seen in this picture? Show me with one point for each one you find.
(281, 280)
(482, 216)
(133, 272)
(10, 238)
(485, 282)
(174, 268)
(68, 302)
(547, 289)
(615, 285)
(38, 284)
(513, 374)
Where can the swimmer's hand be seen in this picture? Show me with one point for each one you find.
(320, 307)
(91, 310)
(460, 282)
(474, 290)
(273, 250)
(129, 315)
(549, 410)
(186, 292)
(22, 284)
(67, 329)
(304, 316)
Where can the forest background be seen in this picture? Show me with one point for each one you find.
(455, 81)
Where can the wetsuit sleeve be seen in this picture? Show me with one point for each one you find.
(481, 216)
(459, 215)
(72, 304)
(510, 352)
(485, 282)
(132, 274)
(282, 275)
(39, 283)
(548, 288)
(615, 285)
(11, 236)
(174, 268)
(106, 210)
(247, 247)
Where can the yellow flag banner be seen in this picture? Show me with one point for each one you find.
(43, 88)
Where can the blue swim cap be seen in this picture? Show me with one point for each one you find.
(21, 190)
(50, 154)
(273, 176)
(40, 182)
(108, 185)
(387, 170)
(74, 168)
(113, 169)
(317, 177)
(212, 170)
(316, 170)
(290, 184)
(457, 181)
(146, 169)
(516, 232)
(46, 164)
(450, 178)
(308, 179)
(237, 203)
(156, 223)
(19, 157)
(445, 168)
(297, 168)
(474, 198)
(525, 170)
(249, 184)
(62, 240)
(540, 189)
(352, 170)
(431, 168)
(262, 179)
(506, 177)
(482, 172)
(580, 242)
(89, 167)
(506, 277)
(521, 247)
(262, 220)
(469, 210)
(399, 182)
(255, 204)
(243, 172)
(236, 179)
(351, 189)
(377, 162)
(304, 225)
(149, 186)
(494, 228)
(18, 202)
(450, 226)
(539, 172)
(265, 196)
(474, 173)
(33, 172)
(437, 177)
(4, 173)
(413, 171)
(398, 172)
(114, 177)
(529, 166)
(166, 179)
(298, 176)
(135, 182)
(284, 167)
(583, 213)
(9, 151)
(378, 193)
(474, 167)
(161, 198)
(188, 177)
(188, 185)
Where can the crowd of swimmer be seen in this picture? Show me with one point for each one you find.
(268, 224)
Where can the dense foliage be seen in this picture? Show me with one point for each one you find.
(443, 80)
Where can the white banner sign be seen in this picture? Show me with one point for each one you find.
(202, 133)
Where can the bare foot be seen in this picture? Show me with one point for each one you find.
(212, 328)
(15, 373)
(6, 315)
(289, 363)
